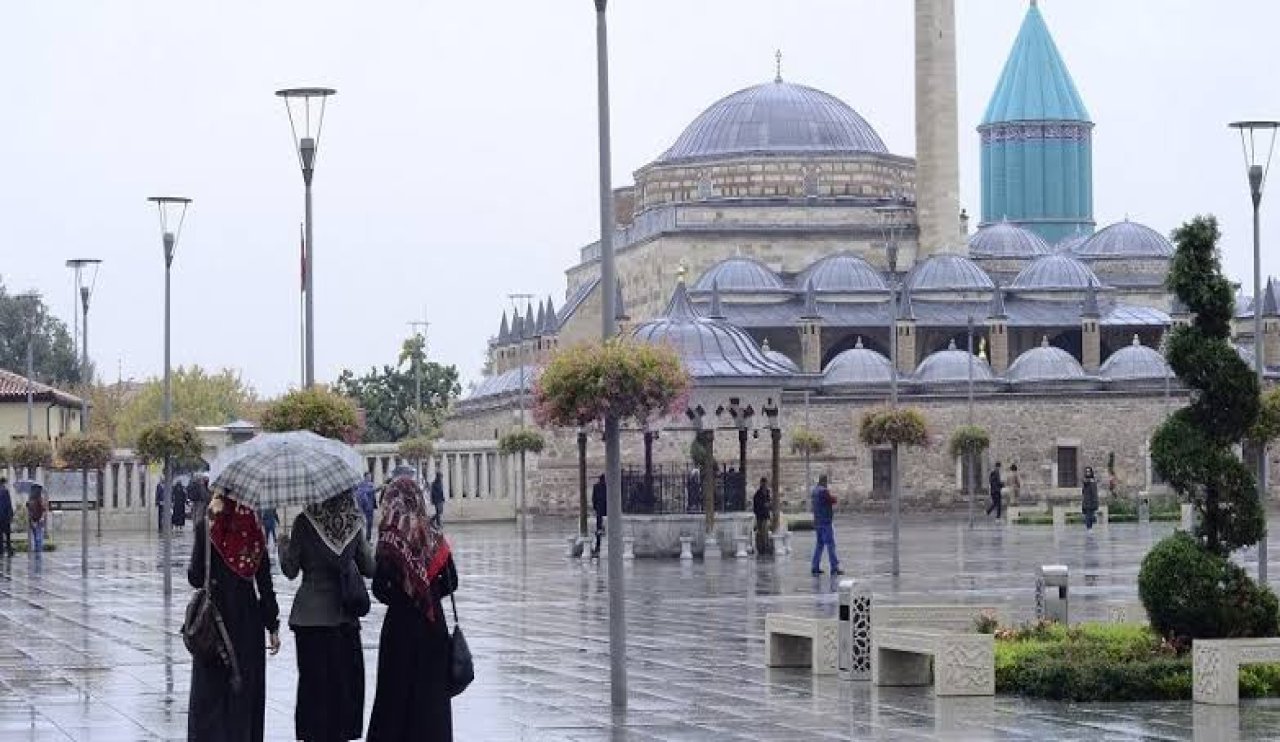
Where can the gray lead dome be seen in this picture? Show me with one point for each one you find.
(1005, 240)
(1045, 364)
(858, 366)
(948, 272)
(1125, 240)
(952, 365)
(842, 273)
(776, 118)
(738, 275)
(1135, 362)
(1057, 272)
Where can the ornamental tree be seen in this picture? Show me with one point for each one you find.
(969, 440)
(806, 442)
(176, 441)
(31, 454)
(620, 378)
(319, 410)
(902, 426)
(521, 441)
(1194, 450)
(85, 451)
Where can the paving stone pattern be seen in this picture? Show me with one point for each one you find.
(102, 660)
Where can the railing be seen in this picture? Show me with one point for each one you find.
(673, 490)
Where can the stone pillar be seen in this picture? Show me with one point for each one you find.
(937, 129)
(906, 331)
(1091, 343)
(998, 344)
(446, 468)
(483, 490)
(1271, 341)
(810, 347)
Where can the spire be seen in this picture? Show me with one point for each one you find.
(529, 328)
(1035, 84)
(503, 332)
(541, 323)
(810, 301)
(1270, 301)
(777, 56)
(680, 308)
(553, 323)
(1090, 301)
(997, 310)
(717, 311)
(619, 308)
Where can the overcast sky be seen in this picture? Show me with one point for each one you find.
(458, 162)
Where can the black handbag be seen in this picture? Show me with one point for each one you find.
(355, 595)
(203, 631)
(461, 668)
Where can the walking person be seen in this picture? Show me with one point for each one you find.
(6, 517)
(366, 498)
(996, 483)
(824, 528)
(1015, 484)
(38, 518)
(762, 506)
(198, 496)
(160, 493)
(1089, 498)
(270, 519)
(600, 504)
(415, 571)
(437, 495)
(330, 700)
(179, 506)
(240, 585)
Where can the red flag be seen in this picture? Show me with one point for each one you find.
(302, 238)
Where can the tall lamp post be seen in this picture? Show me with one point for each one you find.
(173, 212)
(608, 330)
(968, 479)
(299, 104)
(1258, 139)
(32, 301)
(775, 464)
(515, 299)
(892, 222)
(85, 290)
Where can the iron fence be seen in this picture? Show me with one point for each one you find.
(671, 490)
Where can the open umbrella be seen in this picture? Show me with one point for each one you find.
(297, 468)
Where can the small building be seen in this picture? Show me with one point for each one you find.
(54, 413)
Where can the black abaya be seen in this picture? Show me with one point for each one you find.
(215, 713)
(412, 701)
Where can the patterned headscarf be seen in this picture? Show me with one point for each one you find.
(413, 541)
(338, 521)
(237, 535)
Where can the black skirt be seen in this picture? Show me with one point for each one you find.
(330, 683)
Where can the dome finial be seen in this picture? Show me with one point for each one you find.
(764, 346)
(858, 345)
(1044, 341)
(1136, 341)
(777, 58)
(682, 271)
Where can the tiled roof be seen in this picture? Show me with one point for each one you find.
(13, 388)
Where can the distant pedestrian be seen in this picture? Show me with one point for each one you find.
(240, 583)
(38, 516)
(6, 517)
(270, 519)
(324, 537)
(437, 495)
(415, 572)
(160, 493)
(600, 504)
(1089, 498)
(198, 496)
(996, 484)
(1015, 484)
(824, 527)
(179, 505)
(762, 506)
(367, 499)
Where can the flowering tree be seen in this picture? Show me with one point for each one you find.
(85, 452)
(319, 410)
(622, 378)
(901, 427)
(176, 441)
(31, 455)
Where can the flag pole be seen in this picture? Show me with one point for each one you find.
(302, 308)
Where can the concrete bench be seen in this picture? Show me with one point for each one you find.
(946, 617)
(956, 664)
(1215, 666)
(1060, 514)
(797, 641)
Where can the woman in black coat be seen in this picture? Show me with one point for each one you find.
(240, 582)
(414, 573)
(1089, 498)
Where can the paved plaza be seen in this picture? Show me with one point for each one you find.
(102, 660)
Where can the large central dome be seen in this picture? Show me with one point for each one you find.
(775, 118)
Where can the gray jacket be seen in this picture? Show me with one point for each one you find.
(319, 598)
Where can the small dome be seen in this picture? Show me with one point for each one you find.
(842, 273)
(1045, 363)
(1135, 362)
(952, 365)
(782, 359)
(948, 272)
(858, 366)
(1125, 240)
(708, 347)
(1005, 240)
(739, 275)
(1057, 272)
(776, 118)
(507, 382)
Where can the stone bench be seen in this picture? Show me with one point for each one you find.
(956, 664)
(1060, 514)
(797, 641)
(1215, 666)
(947, 617)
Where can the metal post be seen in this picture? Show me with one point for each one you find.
(309, 378)
(582, 483)
(31, 389)
(166, 525)
(609, 329)
(968, 480)
(84, 429)
(808, 470)
(893, 452)
(775, 472)
(1255, 186)
(894, 506)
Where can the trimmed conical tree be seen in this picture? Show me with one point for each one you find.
(1187, 583)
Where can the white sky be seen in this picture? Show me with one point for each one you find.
(458, 162)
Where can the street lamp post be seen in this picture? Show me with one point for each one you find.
(521, 505)
(298, 104)
(608, 330)
(85, 292)
(968, 478)
(775, 464)
(891, 223)
(32, 300)
(1257, 139)
(173, 212)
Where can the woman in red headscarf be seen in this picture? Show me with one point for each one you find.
(240, 582)
(414, 572)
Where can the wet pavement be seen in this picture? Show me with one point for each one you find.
(101, 660)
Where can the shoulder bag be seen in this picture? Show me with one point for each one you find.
(355, 595)
(203, 631)
(461, 668)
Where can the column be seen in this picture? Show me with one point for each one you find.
(448, 478)
(906, 339)
(810, 347)
(484, 476)
(998, 339)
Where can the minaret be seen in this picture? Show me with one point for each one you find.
(937, 135)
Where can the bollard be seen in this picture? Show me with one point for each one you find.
(711, 547)
(779, 544)
(587, 545)
(628, 547)
(1144, 509)
(1052, 584)
(686, 547)
(844, 655)
(573, 547)
(740, 546)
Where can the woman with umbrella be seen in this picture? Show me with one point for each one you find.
(318, 474)
(240, 582)
(415, 571)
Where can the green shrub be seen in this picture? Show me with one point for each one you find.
(1190, 593)
(85, 451)
(806, 442)
(621, 378)
(177, 441)
(523, 440)
(31, 454)
(416, 449)
(904, 426)
(969, 439)
(323, 412)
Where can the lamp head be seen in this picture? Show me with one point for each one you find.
(1257, 140)
(305, 108)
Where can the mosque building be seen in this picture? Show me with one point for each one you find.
(790, 257)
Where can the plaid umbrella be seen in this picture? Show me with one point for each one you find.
(297, 468)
